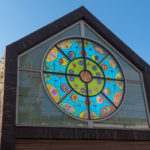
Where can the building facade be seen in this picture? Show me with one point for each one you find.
(74, 84)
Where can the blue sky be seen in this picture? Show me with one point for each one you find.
(128, 19)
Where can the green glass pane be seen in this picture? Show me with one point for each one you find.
(76, 66)
(95, 86)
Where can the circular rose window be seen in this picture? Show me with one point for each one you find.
(83, 79)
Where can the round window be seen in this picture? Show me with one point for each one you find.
(83, 79)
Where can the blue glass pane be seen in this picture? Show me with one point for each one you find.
(111, 68)
(75, 104)
(95, 52)
(100, 107)
(71, 48)
(57, 86)
(54, 59)
(114, 91)
(81, 69)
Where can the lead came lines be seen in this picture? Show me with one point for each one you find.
(87, 96)
(84, 72)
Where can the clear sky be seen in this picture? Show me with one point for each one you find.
(128, 19)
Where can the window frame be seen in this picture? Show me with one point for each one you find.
(82, 32)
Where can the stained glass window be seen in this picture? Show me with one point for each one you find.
(83, 79)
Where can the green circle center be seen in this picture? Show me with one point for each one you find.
(83, 75)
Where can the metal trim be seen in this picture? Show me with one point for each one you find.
(145, 100)
(31, 70)
(86, 38)
(82, 28)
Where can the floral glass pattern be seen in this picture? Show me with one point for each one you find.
(83, 79)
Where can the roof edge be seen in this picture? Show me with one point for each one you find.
(80, 13)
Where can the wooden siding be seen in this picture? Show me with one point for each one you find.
(32, 144)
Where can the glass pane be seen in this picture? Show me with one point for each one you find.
(75, 104)
(34, 58)
(57, 86)
(71, 48)
(114, 91)
(100, 107)
(54, 59)
(84, 81)
(85, 75)
(129, 72)
(35, 106)
(75, 66)
(95, 86)
(94, 52)
(111, 68)
(132, 114)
